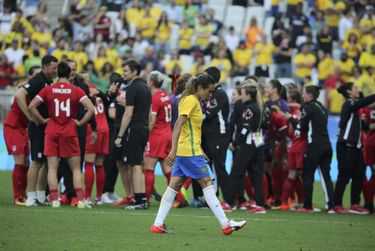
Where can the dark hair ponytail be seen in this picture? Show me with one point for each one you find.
(202, 80)
(278, 86)
(313, 90)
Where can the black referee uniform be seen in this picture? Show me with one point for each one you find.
(349, 150)
(248, 156)
(314, 122)
(215, 136)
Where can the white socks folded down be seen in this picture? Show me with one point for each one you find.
(209, 195)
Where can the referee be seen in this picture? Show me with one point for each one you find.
(349, 149)
(36, 131)
(314, 122)
(135, 121)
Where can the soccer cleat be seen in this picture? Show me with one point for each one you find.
(180, 204)
(233, 226)
(246, 205)
(257, 210)
(331, 211)
(83, 204)
(226, 207)
(141, 206)
(124, 201)
(284, 207)
(64, 199)
(55, 204)
(158, 229)
(304, 210)
(20, 202)
(106, 199)
(113, 196)
(156, 195)
(74, 202)
(98, 201)
(31, 202)
(340, 210)
(356, 209)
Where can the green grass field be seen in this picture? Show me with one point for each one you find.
(107, 228)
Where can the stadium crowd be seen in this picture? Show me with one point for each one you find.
(122, 56)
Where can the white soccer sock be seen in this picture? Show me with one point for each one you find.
(214, 204)
(165, 205)
(31, 196)
(41, 195)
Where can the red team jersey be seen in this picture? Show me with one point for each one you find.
(279, 124)
(159, 143)
(368, 114)
(15, 117)
(298, 140)
(101, 146)
(62, 100)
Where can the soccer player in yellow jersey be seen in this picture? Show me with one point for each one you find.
(188, 157)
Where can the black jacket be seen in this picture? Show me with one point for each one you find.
(215, 122)
(350, 123)
(314, 122)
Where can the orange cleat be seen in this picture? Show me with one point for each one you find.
(158, 229)
(284, 207)
(124, 201)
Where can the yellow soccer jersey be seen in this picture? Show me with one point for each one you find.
(189, 142)
(242, 57)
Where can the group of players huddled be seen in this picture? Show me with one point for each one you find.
(278, 136)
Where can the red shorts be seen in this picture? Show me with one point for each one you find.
(158, 146)
(16, 140)
(279, 151)
(57, 145)
(101, 146)
(369, 154)
(295, 160)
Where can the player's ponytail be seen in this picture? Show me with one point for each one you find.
(202, 80)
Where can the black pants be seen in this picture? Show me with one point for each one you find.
(350, 166)
(216, 149)
(317, 156)
(251, 159)
(110, 167)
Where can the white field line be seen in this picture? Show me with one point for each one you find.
(123, 212)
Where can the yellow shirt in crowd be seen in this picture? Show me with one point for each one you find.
(304, 70)
(203, 34)
(169, 65)
(42, 37)
(163, 33)
(242, 57)
(134, 16)
(336, 101)
(99, 62)
(185, 38)
(58, 53)
(189, 142)
(326, 68)
(346, 69)
(80, 58)
(366, 83)
(264, 52)
(147, 25)
(367, 59)
(224, 66)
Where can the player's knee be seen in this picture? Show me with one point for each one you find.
(205, 182)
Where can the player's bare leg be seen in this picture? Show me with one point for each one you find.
(53, 165)
(74, 164)
(32, 178)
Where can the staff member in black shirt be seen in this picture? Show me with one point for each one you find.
(349, 149)
(36, 131)
(215, 136)
(249, 151)
(314, 122)
(136, 118)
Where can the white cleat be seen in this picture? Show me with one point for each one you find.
(114, 197)
(56, 204)
(83, 204)
(31, 203)
(106, 199)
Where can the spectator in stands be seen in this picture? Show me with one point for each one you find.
(216, 24)
(7, 72)
(100, 59)
(352, 47)
(34, 60)
(6, 20)
(163, 33)
(366, 82)
(283, 58)
(242, 59)
(345, 24)
(367, 58)
(147, 25)
(263, 51)
(174, 12)
(61, 49)
(346, 66)
(223, 64)
(232, 39)
(82, 29)
(292, 6)
(304, 62)
(198, 65)
(297, 21)
(150, 57)
(332, 18)
(140, 46)
(253, 33)
(14, 54)
(172, 65)
(185, 35)
(325, 40)
(102, 24)
(326, 67)
(79, 55)
(203, 31)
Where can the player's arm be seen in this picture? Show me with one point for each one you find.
(152, 120)
(125, 121)
(20, 97)
(181, 120)
(90, 111)
(33, 108)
